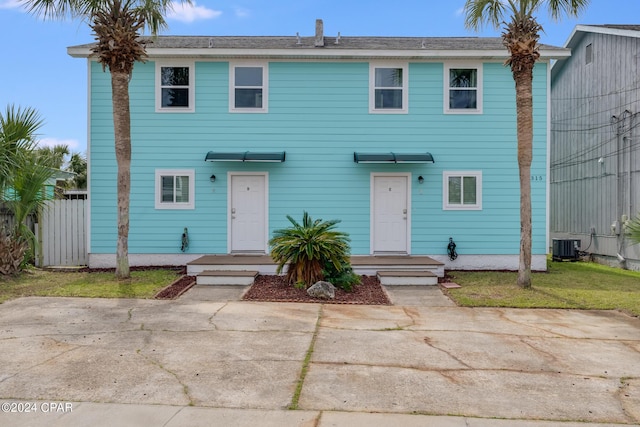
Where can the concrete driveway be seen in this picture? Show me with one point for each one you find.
(247, 359)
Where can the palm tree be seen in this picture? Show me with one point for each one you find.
(520, 36)
(78, 165)
(309, 248)
(116, 25)
(54, 156)
(23, 175)
(18, 129)
(28, 193)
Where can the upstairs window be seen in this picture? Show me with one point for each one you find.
(174, 87)
(588, 54)
(248, 89)
(388, 89)
(462, 190)
(463, 92)
(175, 189)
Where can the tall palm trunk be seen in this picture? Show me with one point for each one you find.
(122, 132)
(524, 106)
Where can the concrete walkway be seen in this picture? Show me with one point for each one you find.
(199, 361)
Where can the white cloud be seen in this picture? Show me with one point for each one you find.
(460, 11)
(74, 145)
(10, 4)
(188, 13)
(242, 12)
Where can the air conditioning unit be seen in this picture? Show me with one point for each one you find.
(565, 249)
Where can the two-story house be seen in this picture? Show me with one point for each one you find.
(595, 160)
(409, 141)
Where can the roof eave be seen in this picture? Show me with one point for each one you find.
(85, 52)
(578, 33)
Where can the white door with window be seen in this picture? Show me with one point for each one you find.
(248, 213)
(390, 214)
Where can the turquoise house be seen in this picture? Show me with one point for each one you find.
(409, 141)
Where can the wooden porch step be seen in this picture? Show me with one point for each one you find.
(372, 264)
(232, 262)
(226, 277)
(361, 264)
(407, 277)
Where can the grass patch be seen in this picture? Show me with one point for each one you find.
(143, 284)
(580, 285)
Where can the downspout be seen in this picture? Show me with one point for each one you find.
(548, 163)
(629, 140)
(623, 133)
(616, 226)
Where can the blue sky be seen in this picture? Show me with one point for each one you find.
(37, 72)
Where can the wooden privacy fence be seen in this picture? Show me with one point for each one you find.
(62, 232)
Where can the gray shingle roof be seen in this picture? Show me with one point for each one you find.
(292, 42)
(332, 45)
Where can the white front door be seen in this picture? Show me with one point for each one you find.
(248, 213)
(390, 214)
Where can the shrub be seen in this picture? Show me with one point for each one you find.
(344, 278)
(309, 248)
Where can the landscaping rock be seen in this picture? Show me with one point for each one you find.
(324, 290)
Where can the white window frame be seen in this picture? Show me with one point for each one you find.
(265, 86)
(190, 173)
(461, 206)
(191, 87)
(404, 66)
(463, 65)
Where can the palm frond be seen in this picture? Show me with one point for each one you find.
(632, 229)
(479, 13)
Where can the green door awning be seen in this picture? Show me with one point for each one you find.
(393, 157)
(246, 156)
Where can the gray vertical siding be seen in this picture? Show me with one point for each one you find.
(595, 136)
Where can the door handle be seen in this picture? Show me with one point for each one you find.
(233, 210)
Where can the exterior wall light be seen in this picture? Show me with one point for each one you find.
(212, 178)
(420, 180)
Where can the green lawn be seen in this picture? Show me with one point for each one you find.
(144, 284)
(565, 285)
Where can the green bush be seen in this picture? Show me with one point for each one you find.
(309, 249)
(344, 278)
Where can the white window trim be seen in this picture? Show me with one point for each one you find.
(405, 87)
(265, 87)
(445, 191)
(192, 78)
(475, 65)
(190, 173)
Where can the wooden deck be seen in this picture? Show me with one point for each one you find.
(362, 264)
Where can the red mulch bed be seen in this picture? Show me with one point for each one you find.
(276, 289)
(177, 288)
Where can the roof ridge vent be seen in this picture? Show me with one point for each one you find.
(319, 33)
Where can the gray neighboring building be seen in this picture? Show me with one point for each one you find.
(595, 141)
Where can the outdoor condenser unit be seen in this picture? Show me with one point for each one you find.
(565, 249)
